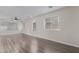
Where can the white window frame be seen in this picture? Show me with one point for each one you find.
(53, 29)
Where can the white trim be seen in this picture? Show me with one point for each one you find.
(62, 42)
(57, 29)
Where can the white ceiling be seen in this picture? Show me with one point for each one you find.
(18, 11)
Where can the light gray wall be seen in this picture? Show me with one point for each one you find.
(69, 22)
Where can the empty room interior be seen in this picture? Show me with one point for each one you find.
(39, 29)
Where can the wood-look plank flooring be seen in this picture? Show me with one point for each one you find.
(22, 43)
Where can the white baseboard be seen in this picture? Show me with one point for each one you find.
(70, 44)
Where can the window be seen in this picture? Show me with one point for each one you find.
(34, 25)
(10, 26)
(52, 23)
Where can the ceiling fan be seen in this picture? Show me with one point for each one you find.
(50, 6)
(16, 18)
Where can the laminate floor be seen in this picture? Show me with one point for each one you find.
(22, 43)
